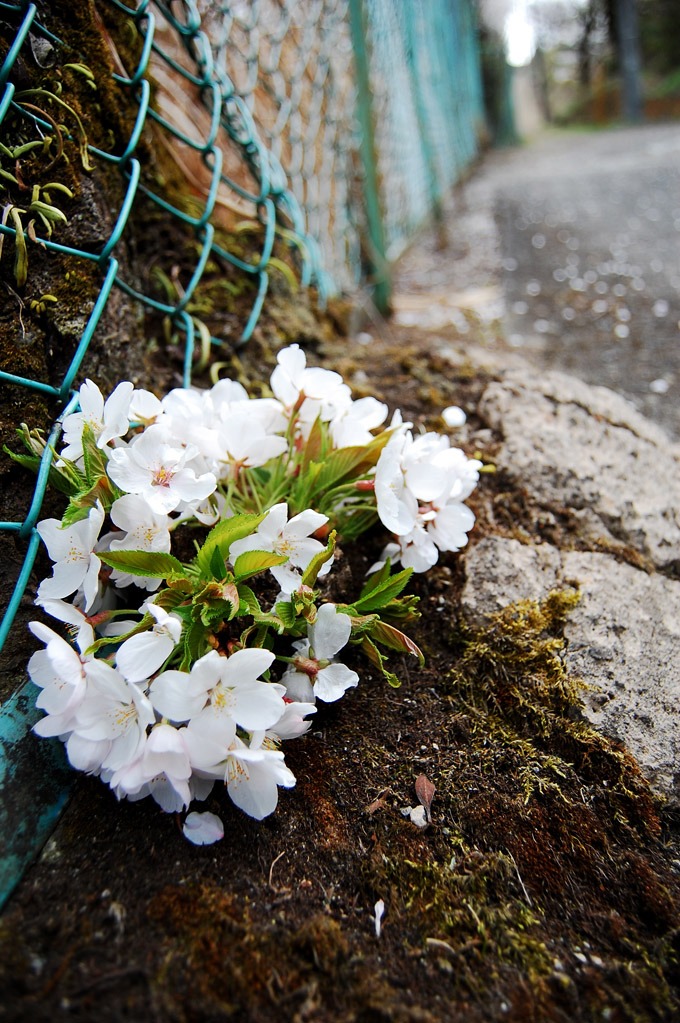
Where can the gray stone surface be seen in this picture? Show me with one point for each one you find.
(586, 449)
(623, 640)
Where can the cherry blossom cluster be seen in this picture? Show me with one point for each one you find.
(191, 566)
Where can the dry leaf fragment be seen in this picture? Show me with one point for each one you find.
(425, 791)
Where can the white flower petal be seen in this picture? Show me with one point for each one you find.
(203, 828)
(330, 632)
(333, 682)
(454, 416)
(142, 655)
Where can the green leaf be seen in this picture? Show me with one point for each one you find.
(403, 609)
(174, 595)
(153, 564)
(285, 610)
(251, 563)
(361, 624)
(309, 576)
(376, 579)
(217, 603)
(222, 536)
(378, 659)
(195, 643)
(382, 594)
(32, 462)
(142, 626)
(314, 447)
(394, 639)
(217, 565)
(270, 620)
(50, 213)
(94, 459)
(249, 602)
(81, 503)
(351, 462)
(20, 250)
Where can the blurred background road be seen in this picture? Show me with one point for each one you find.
(571, 246)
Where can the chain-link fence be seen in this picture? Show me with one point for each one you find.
(161, 161)
(236, 92)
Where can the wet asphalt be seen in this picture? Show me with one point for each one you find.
(575, 238)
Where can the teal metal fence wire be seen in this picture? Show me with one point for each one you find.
(373, 108)
(331, 127)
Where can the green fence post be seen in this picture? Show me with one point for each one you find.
(376, 232)
(411, 13)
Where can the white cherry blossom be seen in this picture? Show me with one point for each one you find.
(454, 416)
(145, 408)
(143, 654)
(161, 769)
(111, 722)
(252, 772)
(144, 530)
(292, 538)
(108, 419)
(352, 425)
(243, 442)
(72, 548)
(203, 828)
(61, 673)
(218, 688)
(314, 673)
(158, 472)
(292, 722)
(397, 506)
(310, 391)
(253, 778)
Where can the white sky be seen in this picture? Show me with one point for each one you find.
(513, 19)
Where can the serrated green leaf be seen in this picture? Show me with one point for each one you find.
(361, 624)
(351, 462)
(217, 603)
(94, 459)
(174, 595)
(270, 620)
(403, 609)
(251, 563)
(385, 592)
(376, 579)
(194, 643)
(285, 610)
(314, 446)
(310, 574)
(80, 505)
(249, 602)
(218, 612)
(217, 565)
(152, 564)
(147, 622)
(394, 639)
(222, 536)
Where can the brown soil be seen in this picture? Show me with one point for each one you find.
(545, 888)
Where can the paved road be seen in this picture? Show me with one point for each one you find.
(574, 243)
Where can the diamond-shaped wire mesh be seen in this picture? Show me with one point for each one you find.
(235, 92)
